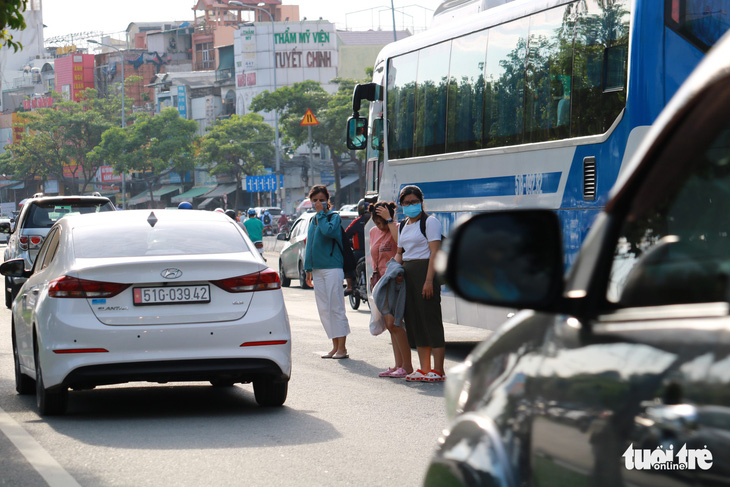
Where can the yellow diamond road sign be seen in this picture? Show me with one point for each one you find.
(309, 119)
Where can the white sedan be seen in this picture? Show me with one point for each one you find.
(159, 296)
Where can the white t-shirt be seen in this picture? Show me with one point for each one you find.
(411, 239)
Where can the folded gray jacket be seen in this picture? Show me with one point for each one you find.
(389, 295)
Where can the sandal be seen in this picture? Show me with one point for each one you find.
(386, 373)
(434, 376)
(417, 376)
(328, 355)
(398, 373)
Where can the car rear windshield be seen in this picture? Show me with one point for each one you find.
(45, 214)
(165, 238)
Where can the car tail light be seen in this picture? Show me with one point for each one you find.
(259, 244)
(32, 242)
(259, 281)
(73, 287)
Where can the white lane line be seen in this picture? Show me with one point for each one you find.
(51, 471)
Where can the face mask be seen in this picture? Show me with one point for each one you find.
(412, 211)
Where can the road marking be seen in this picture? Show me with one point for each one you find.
(51, 471)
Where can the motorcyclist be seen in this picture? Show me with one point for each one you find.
(254, 226)
(283, 221)
(232, 215)
(355, 233)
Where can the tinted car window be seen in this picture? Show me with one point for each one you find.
(162, 239)
(669, 251)
(44, 215)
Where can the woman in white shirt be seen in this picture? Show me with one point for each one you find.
(419, 239)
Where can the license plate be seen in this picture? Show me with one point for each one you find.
(171, 295)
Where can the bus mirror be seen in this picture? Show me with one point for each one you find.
(357, 130)
(376, 137)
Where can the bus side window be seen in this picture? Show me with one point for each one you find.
(376, 136)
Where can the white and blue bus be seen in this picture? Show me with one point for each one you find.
(534, 103)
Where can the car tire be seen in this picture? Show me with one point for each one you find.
(49, 402)
(11, 290)
(24, 385)
(285, 281)
(302, 277)
(270, 392)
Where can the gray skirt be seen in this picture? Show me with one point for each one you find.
(424, 325)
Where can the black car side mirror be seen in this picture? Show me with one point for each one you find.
(15, 268)
(512, 259)
(281, 236)
(5, 227)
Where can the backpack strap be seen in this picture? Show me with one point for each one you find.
(422, 224)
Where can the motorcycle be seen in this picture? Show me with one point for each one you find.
(268, 230)
(359, 285)
(260, 247)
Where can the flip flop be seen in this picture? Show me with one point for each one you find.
(335, 356)
(328, 355)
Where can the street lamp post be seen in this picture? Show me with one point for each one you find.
(124, 189)
(276, 112)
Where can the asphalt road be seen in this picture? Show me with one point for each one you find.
(341, 423)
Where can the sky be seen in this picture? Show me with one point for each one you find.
(64, 17)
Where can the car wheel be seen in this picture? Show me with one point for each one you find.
(302, 277)
(49, 402)
(10, 292)
(354, 299)
(285, 281)
(24, 385)
(269, 392)
(221, 383)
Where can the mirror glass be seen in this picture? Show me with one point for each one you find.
(507, 259)
(357, 128)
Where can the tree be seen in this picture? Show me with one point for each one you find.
(59, 139)
(238, 146)
(11, 18)
(152, 145)
(331, 112)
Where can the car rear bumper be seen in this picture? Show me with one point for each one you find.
(233, 370)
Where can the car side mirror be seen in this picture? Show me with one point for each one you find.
(15, 268)
(5, 227)
(511, 259)
(281, 236)
(357, 132)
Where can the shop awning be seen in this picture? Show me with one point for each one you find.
(221, 189)
(193, 192)
(145, 196)
(344, 182)
(205, 203)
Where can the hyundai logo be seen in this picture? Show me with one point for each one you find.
(171, 273)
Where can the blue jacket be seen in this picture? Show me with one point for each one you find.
(324, 241)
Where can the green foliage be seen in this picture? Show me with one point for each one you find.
(150, 145)
(238, 145)
(331, 111)
(59, 140)
(11, 18)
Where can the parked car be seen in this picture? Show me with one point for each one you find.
(618, 373)
(291, 258)
(36, 218)
(155, 296)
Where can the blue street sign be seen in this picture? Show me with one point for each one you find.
(265, 183)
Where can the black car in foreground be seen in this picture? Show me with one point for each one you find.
(619, 373)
